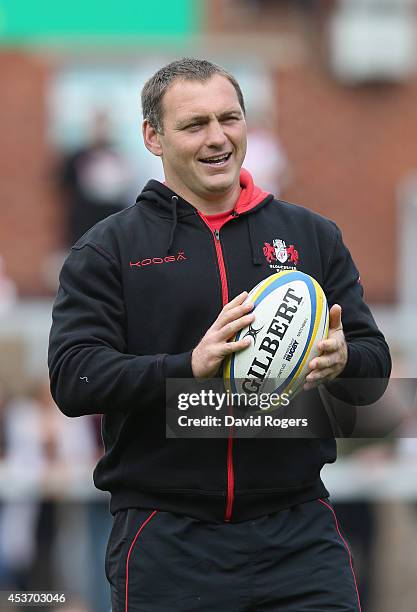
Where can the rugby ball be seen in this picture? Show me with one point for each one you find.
(291, 318)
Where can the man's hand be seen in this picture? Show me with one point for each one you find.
(215, 345)
(333, 353)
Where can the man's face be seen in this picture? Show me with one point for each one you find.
(203, 143)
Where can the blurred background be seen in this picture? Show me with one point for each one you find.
(331, 90)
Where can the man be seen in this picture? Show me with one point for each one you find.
(95, 180)
(156, 292)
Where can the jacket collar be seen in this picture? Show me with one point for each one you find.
(162, 197)
(166, 203)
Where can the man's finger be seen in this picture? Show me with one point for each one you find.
(330, 345)
(226, 317)
(324, 361)
(318, 378)
(335, 318)
(322, 374)
(229, 330)
(239, 299)
(239, 345)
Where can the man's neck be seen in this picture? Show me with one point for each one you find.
(219, 203)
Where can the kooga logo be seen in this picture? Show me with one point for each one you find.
(148, 261)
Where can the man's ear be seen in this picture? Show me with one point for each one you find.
(151, 138)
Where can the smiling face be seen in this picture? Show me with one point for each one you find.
(203, 143)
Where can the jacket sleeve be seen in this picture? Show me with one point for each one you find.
(90, 370)
(369, 361)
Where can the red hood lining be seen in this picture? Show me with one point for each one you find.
(251, 195)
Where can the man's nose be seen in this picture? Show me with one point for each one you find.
(215, 134)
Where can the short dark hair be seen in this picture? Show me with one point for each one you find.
(188, 69)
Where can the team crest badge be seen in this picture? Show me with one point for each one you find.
(279, 256)
(280, 250)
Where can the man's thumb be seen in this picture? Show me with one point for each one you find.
(335, 317)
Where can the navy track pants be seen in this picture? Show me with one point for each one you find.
(294, 560)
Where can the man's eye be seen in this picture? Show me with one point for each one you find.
(230, 119)
(193, 127)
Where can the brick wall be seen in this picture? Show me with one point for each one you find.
(29, 227)
(348, 148)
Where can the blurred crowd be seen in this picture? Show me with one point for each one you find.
(54, 525)
(53, 531)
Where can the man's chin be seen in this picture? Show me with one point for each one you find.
(220, 184)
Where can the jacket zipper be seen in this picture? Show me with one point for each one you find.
(225, 299)
(222, 268)
(230, 469)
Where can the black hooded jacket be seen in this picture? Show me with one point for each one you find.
(137, 292)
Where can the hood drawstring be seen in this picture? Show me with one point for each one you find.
(256, 259)
(174, 200)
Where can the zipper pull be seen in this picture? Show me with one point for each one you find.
(216, 234)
